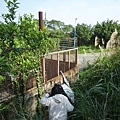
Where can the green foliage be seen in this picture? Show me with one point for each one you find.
(97, 91)
(68, 30)
(22, 46)
(105, 29)
(1, 80)
(22, 43)
(87, 49)
(12, 6)
(56, 34)
(84, 34)
(58, 29)
(55, 24)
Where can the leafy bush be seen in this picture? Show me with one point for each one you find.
(22, 45)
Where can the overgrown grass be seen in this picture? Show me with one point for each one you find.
(9, 112)
(87, 49)
(97, 91)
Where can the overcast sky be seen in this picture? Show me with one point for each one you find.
(86, 11)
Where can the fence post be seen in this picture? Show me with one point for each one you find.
(58, 62)
(51, 57)
(76, 56)
(64, 56)
(69, 59)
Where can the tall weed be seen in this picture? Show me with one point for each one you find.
(97, 91)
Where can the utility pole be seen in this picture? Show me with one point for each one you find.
(75, 33)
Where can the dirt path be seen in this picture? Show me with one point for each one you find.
(83, 59)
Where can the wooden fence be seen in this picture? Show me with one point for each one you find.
(55, 62)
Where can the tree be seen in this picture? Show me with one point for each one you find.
(84, 34)
(105, 29)
(55, 24)
(68, 30)
(22, 37)
(58, 29)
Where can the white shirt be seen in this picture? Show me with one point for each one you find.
(58, 106)
(69, 92)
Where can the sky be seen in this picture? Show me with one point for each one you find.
(86, 11)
